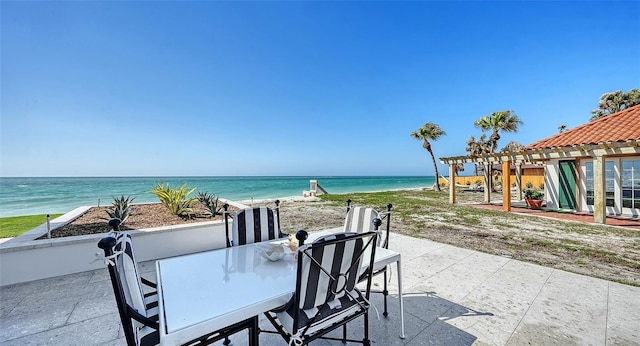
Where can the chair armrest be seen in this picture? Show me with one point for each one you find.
(153, 323)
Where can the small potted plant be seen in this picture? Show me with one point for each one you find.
(533, 198)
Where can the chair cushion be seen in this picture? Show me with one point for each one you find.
(128, 271)
(148, 336)
(359, 220)
(327, 314)
(335, 258)
(254, 225)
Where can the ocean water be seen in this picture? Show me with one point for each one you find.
(29, 196)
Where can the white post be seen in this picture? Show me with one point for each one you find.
(48, 227)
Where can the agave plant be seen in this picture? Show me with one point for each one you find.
(121, 208)
(210, 201)
(176, 199)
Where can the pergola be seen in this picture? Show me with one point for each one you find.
(598, 152)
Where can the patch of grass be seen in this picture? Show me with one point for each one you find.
(15, 225)
(539, 242)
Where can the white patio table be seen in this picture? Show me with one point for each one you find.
(204, 292)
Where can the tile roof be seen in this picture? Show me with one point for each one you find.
(618, 127)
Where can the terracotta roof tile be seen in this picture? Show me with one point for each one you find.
(618, 127)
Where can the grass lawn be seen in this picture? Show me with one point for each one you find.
(16, 225)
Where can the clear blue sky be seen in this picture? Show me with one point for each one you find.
(130, 88)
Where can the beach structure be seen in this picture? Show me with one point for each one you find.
(314, 189)
(593, 168)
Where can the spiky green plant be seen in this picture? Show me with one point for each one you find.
(210, 201)
(176, 199)
(121, 208)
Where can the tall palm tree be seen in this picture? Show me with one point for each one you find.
(427, 132)
(505, 121)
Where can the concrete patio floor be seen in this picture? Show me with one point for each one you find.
(453, 296)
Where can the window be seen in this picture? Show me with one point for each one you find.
(609, 183)
(589, 182)
(631, 183)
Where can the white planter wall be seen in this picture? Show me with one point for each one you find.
(25, 259)
(42, 259)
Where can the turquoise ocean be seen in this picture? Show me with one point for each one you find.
(30, 196)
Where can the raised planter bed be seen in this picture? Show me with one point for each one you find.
(26, 259)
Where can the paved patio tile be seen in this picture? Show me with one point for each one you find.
(623, 321)
(28, 319)
(570, 308)
(453, 296)
(95, 331)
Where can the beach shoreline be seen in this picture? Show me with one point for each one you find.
(35, 196)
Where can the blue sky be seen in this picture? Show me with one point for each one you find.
(133, 88)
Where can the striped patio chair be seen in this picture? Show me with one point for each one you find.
(365, 219)
(252, 225)
(138, 310)
(326, 295)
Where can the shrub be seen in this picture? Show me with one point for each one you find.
(533, 194)
(121, 208)
(176, 199)
(210, 201)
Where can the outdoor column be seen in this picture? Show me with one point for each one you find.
(452, 183)
(599, 187)
(519, 181)
(487, 183)
(506, 186)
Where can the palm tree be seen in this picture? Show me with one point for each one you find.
(505, 121)
(426, 132)
(478, 147)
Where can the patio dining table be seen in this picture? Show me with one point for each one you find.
(208, 291)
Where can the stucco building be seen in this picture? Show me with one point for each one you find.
(593, 168)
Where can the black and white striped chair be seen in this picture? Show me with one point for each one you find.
(360, 219)
(326, 295)
(252, 225)
(365, 219)
(138, 311)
